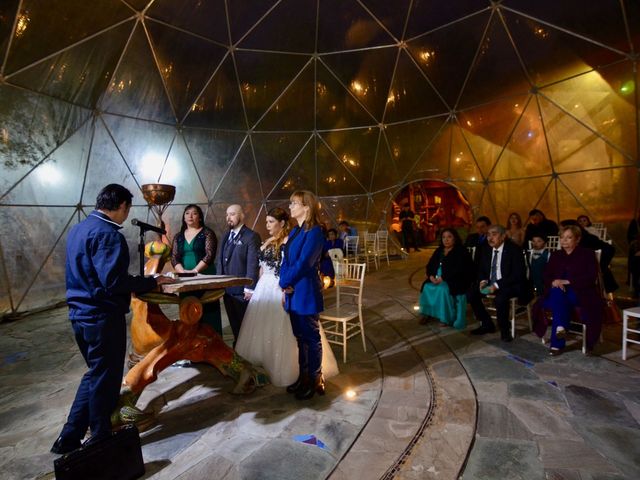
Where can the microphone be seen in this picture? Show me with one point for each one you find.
(146, 227)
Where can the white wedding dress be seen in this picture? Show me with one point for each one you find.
(266, 338)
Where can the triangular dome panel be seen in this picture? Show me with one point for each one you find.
(548, 199)
(496, 63)
(148, 154)
(433, 163)
(22, 269)
(445, 55)
(608, 193)
(220, 105)
(106, 166)
(346, 208)
(523, 195)
(79, 74)
(426, 16)
(550, 54)
(580, 19)
(462, 166)
(254, 68)
(31, 127)
(367, 73)
(574, 147)
(335, 106)
(240, 183)
(294, 109)
(569, 202)
(355, 149)
(45, 30)
(212, 152)
(593, 101)
(285, 28)
(275, 152)
(392, 15)
(243, 16)
(208, 19)
(385, 173)
(353, 28)
(488, 128)
(8, 10)
(180, 172)
(59, 177)
(136, 89)
(178, 54)
(411, 95)
(402, 137)
(301, 175)
(333, 177)
(527, 152)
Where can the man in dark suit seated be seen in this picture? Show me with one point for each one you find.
(479, 239)
(239, 257)
(501, 273)
(539, 224)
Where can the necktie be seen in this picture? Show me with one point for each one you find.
(232, 237)
(494, 268)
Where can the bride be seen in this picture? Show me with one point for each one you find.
(266, 337)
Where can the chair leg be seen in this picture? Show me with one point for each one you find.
(364, 343)
(512, 307)
(584, 338)
(529, 316)
(625, 324)
(344, 342)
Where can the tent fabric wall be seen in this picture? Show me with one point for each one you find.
(520, 104)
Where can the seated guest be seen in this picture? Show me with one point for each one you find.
(586, 224)
(332, 241)
(539, 224)
(346, 230)
(538, 258)
(449, 274)
(478, 239)
(501, 273)
(515, 232)
(571, 280)
(607, 252)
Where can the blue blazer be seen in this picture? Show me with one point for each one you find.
(300, 270)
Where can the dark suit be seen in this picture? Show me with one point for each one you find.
(511, 284)
(239, 258)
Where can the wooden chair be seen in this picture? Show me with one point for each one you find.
(344, 320)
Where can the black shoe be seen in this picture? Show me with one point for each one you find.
(507, 338)
(312, 389)
(482, 331)
(554, 352)
(62, 446)
(299, 384)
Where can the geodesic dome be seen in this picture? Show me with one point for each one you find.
(519, 104)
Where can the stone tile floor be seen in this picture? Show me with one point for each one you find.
(430, 402)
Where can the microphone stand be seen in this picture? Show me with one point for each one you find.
(141, 251)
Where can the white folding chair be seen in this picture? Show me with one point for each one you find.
(514, 311)
(553, 242)
(346, 317)
(351, 244)
(472, 251)
(371, 248)
(383, 244)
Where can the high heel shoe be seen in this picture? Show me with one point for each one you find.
(312, 388)
(299, 384)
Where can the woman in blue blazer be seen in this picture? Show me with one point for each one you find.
(301, 284)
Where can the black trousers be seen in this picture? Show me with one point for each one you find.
(501, 302)
(235, 305)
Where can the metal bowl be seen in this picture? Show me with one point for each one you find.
(158, 193)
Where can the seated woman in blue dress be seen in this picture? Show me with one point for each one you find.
(450, 272)
(326, 263)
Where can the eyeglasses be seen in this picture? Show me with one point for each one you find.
(293, 204)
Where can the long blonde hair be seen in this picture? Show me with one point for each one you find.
(308, 199)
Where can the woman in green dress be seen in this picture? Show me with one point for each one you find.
(450, 272)
(194, 250)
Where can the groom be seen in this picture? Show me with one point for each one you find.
(239, 257)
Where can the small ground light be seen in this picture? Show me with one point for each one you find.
(350, 394)
(416, 307)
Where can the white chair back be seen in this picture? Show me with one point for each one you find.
(371, 248)
(383, 244)
(351, 244)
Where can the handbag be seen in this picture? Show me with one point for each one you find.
(611, 312)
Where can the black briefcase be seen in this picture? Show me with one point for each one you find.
(118, 457)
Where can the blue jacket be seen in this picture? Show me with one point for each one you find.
(300, 270)
(97, 277)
